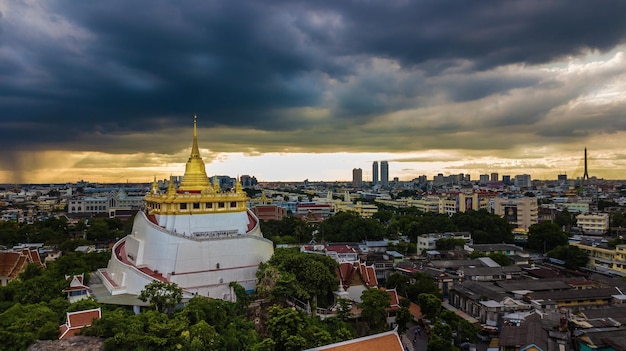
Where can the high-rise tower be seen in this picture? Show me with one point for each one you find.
(384, 173)
(357, 177)
(375, 173)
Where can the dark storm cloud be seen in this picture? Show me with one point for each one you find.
(89, 75)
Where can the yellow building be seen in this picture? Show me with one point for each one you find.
(604, 259)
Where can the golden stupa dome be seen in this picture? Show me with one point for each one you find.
(195, 178)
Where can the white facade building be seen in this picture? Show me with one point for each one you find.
(593, 223)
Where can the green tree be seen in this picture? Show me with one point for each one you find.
(383, 216)
(304, 275)
(545, 236)
(243, 300)
(449, 243)
(617, 220)
(573, 256)
(500, 258)
(283, 323)
(21, 325)
(437, 343)
(486, 228)
(430, 305)
(564, 219)
(161, 295)
(398, 281)
(465, 329)
(403, 317)
(374, 304)
(423, 284)
(349, 226)
(344, 307)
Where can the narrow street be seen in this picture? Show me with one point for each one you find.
(414, 339)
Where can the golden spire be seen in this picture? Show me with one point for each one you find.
(155, 186)
(195, 177)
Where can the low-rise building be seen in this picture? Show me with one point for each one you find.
(429, 241)
(593, 223)
(604, 259)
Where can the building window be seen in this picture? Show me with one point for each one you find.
(221, 205)
(209, 205)
(183, 206)
(196, 205)
(233, 204)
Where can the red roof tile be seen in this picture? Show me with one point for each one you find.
(388, 341)
(8, 262)
(340, 249)
(77, 320)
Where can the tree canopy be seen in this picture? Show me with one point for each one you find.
(161, 295)
(300, 275)
(374, 303)
(485, 227)
(573, 256)
(545, 236)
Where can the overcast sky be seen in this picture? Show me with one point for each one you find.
(288, 90)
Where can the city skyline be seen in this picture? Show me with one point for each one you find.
(288, 91)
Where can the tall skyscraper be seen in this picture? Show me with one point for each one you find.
(357, 177)
(384, 173)
(494, 177)
(375, 173)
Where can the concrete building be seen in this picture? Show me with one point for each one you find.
(375, 173)
(483, 179)
(384, 173)
(522, 181)
(593, 223)
(196, 235)
(107, 203)
(357, 178)
(429, 241)
(506, 179)
(520, 211)
(604, 259)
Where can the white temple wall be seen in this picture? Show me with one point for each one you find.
(128, 279)
(187, 224)
(195, 256)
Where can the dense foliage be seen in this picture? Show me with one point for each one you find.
(304, 276)
(57, 231)
(486, 228)
(374, 303)
(33, 306)
(545, 236)
(412, 286)
(573, 256)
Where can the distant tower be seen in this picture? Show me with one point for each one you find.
(384, 173)
(375, 173)
(357, 177)
(586, 175)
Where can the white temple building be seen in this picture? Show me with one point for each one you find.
(196, 235)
